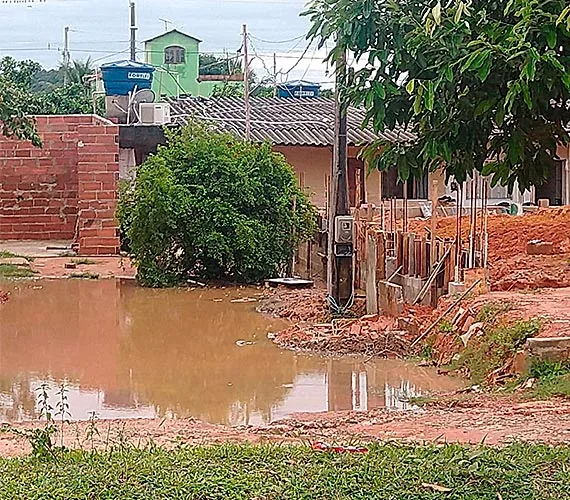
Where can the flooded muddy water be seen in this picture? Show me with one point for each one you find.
(128, 352)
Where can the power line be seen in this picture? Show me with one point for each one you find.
(278, 42)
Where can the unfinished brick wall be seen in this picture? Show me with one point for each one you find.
(66, 190)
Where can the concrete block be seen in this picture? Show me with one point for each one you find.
(391, 268)
(549, 349)
(390, 298)
(456, 288)
(537, 247)
(412, 286)
(544, 203)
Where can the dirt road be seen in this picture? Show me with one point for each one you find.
(495, 421)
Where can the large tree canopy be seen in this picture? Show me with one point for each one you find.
(484, 84)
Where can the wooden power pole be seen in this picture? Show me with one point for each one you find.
(274, 74)
(133, 32)
(340, 255)
(66, 56)
(247, 102)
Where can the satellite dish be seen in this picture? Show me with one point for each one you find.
(140, 97)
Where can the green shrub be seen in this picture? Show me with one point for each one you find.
(210, 206)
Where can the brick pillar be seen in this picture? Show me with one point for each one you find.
(98, 173)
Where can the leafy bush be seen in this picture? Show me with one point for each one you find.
(211, 206)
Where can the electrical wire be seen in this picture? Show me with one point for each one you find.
(278, 42)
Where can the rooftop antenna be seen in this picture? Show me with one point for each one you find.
(166, 23)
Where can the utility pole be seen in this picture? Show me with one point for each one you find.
(274, 74)
(66, 56)
(246, 84)
(133, 32)
(340, 255)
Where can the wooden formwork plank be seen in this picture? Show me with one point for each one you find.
(423, 258)
(412, 254)
(381, 256)
(398, 240)
(405, 254)
(371, 275)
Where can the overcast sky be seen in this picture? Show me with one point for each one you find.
(100, 30)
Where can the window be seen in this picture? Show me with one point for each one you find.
(174, 55)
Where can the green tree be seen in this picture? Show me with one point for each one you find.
(14, 119)
(43, 92)
(484, 84)
(78, 72)
(212, 206)
(214, 65)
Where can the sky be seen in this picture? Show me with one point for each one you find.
(100, 30)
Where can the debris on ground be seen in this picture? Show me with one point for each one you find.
(3, 297)
(374, 336)
(306, 305)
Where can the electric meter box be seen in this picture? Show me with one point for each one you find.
(344, 229)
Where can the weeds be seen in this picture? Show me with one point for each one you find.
(12, 271)
(446, 326)
(490, 312)
(84, 276)
(62, 408)
(490, 352)
(83, 262)
(422, 401)
(92, 430)
(42, 439)
(552, 379)
(10, 255)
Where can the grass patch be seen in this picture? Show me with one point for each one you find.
(10, 271)
(446, 326)
(10, 255)
(83, 262)
(490, 312)
(490, 352)
(84, 276)
(273, 472)
(422, 401)
(552, 379)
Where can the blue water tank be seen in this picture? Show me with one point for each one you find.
(121, 77)
(299, 88)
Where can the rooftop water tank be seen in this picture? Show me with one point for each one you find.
(299, 88)
(122, 77)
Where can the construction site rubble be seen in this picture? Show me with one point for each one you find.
(370, 336)
(525, 252)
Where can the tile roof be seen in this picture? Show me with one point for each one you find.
(284, 122)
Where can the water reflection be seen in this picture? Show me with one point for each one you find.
(128, 352)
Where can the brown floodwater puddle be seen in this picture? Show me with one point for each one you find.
(128, 352)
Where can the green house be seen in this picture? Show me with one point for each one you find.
(176, 57)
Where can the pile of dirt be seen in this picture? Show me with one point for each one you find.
(509, 265)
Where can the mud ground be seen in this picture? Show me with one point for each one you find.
(103, 267)
(493, 420)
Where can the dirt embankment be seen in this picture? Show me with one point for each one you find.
(509, 265)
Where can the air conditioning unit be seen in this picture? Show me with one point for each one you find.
(155, 113)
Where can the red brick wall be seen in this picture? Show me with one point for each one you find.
(66, 190)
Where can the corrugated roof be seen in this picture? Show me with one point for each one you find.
(284, 122)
